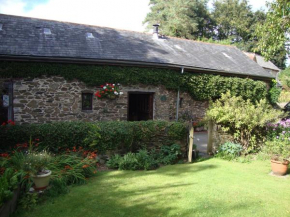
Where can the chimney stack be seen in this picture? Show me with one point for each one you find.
(155, 31)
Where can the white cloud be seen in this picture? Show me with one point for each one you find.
(14, 7)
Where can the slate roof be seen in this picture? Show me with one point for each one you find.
(24, 37)
(269, 65)
(262, 62)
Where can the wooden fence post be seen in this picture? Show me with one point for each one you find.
(190, 144)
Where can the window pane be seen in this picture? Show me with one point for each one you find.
(87, 101)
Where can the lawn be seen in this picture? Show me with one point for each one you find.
(212, 187)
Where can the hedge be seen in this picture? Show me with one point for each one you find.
(199, 86)
(121, 136)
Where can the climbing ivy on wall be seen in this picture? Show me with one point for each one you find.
(199, 86)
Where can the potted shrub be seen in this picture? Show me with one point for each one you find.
(36, 165)
(279, 148)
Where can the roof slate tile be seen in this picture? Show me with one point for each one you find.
(24, 36)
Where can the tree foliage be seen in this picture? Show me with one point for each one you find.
(243, 119)
(233, 18)
(180, 18)
(229, 22)
(274, 34)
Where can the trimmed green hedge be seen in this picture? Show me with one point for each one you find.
(122, 136)
(199, 86)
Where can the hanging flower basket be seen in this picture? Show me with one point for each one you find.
(109, 91)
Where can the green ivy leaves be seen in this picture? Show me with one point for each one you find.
(199, 86)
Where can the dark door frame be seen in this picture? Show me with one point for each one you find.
(151, 99)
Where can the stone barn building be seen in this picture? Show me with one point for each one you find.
(41, 99)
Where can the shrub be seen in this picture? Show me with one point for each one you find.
(243, 119)
(133, 136)
(129, 162)
(284, 77)
(114, 161)
(8, 183)
(275, 129)
(169, 154)
(229, 151)
(279, 147)
(73, 167)
(114, 135)
(54, 136)
(145, 160)
(274, 92)
(284, 95)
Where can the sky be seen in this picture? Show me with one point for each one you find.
(120, 14)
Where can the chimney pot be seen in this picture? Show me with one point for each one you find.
(155, 31)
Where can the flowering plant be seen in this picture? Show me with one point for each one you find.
(275, 129)
(36, 162)
(278, 144)
(279, 147)
(110, 91)
(9, 122)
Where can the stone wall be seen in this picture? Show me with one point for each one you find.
(48, 99)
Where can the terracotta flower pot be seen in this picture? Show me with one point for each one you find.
(41, 181)
(279, 168)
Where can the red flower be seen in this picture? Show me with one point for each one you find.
(3, 124)
(102, 86)
(5, 155)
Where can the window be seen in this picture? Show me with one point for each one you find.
(87, 101)
(46, 31)
(89, 35)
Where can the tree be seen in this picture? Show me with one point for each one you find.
(233, 19)
(180, 18)
(274, 34)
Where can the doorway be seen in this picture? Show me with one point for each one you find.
(140, 106)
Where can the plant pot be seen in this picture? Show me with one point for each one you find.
(41, 181)
(279, 168)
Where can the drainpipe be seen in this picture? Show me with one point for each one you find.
(177, 101)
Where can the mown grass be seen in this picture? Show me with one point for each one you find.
(209, 188)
